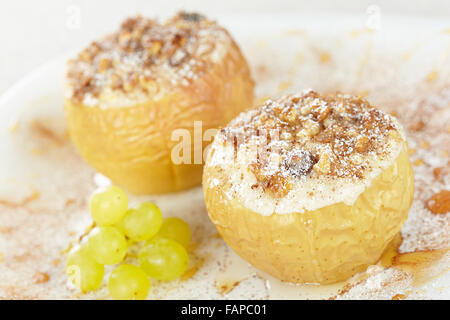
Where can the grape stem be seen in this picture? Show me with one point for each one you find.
(78, 240)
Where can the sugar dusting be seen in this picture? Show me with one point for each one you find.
(303, 183)
(143, 58)
(34, 233)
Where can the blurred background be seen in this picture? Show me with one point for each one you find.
(33, 32)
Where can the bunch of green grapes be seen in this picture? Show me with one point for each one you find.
(163, 257)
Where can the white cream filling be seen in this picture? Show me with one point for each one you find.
(309, 193)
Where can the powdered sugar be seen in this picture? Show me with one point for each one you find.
(133, 64)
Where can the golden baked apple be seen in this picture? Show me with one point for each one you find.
(308, 188)
(128, 92)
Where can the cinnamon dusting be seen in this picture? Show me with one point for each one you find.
(298, 134)
(225, 287)
(143, 52)
(440, 202)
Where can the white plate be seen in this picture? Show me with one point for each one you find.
(44, 184)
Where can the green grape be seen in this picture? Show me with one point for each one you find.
(119, 225)
(108, 205)
(84, 272)
(142, 223)
(107, 245)
(128, 282)
(163, 259)
(176, 229)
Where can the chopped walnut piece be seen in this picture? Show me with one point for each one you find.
(352, 132)
(277, 186)
(104, 64)
(305, 110)
(86, 55)
(312, 127)
(323, 114)
(317, 135)
(324, 164)
(440, 202)
(124, 37)
(142, 47)
(292, 115)
(155, 47)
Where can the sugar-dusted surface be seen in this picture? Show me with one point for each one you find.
(403, 73)
(304, 152)
(144, 56)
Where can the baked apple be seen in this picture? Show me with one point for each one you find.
(128, 92)
(309, 188)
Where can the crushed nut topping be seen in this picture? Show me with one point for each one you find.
(300, 135)
(143, 52)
